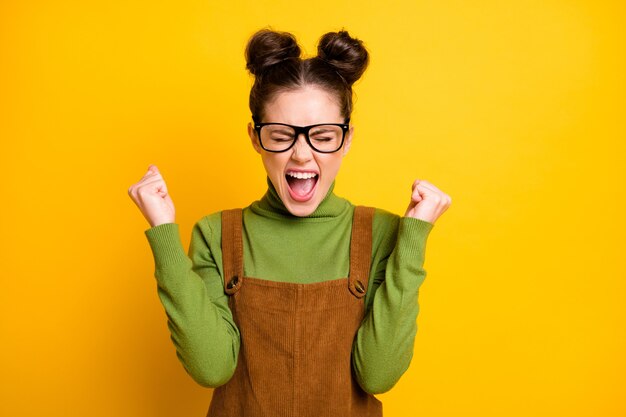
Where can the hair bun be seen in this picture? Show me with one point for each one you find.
(346, 54)
(267, 48)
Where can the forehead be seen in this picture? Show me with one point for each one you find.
(303, 106)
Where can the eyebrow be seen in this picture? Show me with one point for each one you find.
(321, 130)
(283, 130)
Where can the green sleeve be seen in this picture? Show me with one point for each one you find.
(190, 288)
(383, 346)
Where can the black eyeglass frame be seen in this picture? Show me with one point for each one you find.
(303, 129)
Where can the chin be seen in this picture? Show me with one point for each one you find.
(300, 209)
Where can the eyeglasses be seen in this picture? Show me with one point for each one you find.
(323, 137)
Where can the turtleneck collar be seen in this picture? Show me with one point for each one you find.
(331, 206)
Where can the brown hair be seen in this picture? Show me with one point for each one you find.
(274, 59)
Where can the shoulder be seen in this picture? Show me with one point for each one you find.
(213, 220)
(384, 230)
(209, 226)
(385, 222)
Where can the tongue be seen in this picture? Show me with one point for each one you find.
(301, 186)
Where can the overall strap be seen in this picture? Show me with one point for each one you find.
(232, 250)
(361, 250)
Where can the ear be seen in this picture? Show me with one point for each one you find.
(348, 140)
(253, 138)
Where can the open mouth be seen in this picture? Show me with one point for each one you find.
(301, 185)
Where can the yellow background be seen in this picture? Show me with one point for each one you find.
(515, 109)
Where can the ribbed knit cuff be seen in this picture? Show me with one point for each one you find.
(412, 236)
(166, 245)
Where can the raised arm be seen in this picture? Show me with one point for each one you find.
(190, 288)
(383, 345)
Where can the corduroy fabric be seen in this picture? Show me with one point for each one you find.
(296, 339)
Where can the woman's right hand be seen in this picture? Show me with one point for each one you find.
(151, 196)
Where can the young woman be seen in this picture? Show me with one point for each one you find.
(300, 304)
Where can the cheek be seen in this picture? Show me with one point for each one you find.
(274, 164)
(330, 165)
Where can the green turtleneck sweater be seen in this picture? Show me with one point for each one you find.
(279, 246)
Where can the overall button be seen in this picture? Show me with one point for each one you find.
(232, 282)
(359, 286)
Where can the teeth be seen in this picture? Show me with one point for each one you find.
(302, 175)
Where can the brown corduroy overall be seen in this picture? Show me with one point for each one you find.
(296, 339)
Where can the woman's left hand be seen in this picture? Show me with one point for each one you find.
(427, 201)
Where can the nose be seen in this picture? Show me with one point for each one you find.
(301, 152)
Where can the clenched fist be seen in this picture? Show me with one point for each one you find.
(427, 201)
(151, 196)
